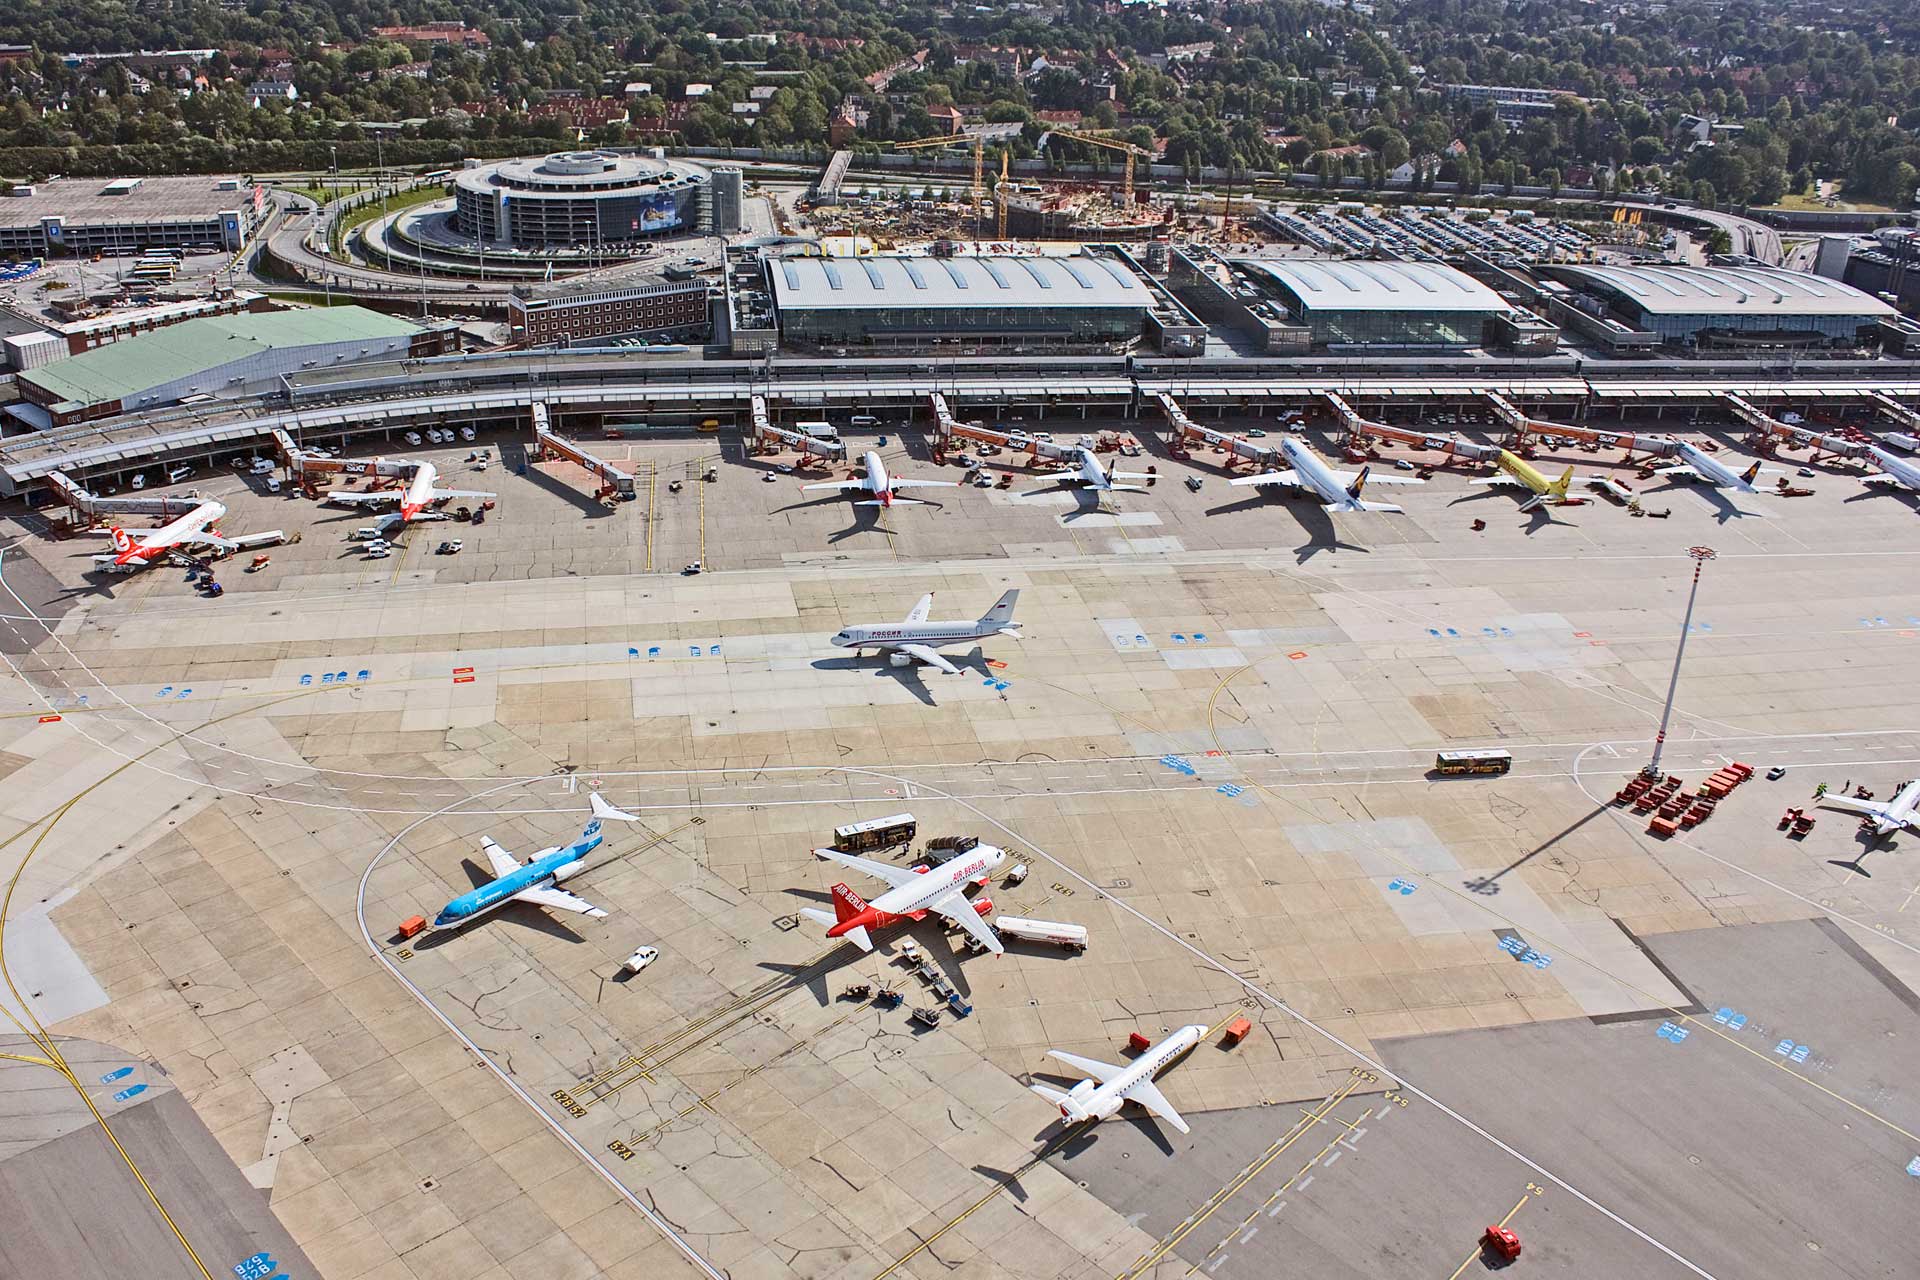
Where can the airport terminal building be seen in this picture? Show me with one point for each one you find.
(1379, 304)
(1723, 308)
(1092, 301)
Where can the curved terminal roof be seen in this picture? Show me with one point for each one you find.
(1351, 285)
(1692, 291)
(900, 280)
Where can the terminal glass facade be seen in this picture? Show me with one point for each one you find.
(1371, 326)
(910, 326)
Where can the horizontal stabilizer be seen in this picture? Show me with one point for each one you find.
(897, 502)
(603, 810)
(1359, 506)
(859, 937)
(819, 916)
(1054, 1096)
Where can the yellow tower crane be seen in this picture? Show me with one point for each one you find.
(1110, 144)
(979, 146)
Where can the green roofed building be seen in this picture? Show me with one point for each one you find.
(215, 356)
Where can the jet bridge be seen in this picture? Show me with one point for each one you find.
(89, 508)
(1908, 418)
(1769, 432)
(309, 470)
(548, 445)
(768, 438)
(1359, 428)
(947, 429)
(1239, 450)
(1525, 427)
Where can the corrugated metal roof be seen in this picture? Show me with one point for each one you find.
(803, 284)
(1692, 291)
(132, 365)
(1351, 285)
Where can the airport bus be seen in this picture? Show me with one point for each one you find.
(437, 177)
(1480, 761)
(875, 833)
(155, 271)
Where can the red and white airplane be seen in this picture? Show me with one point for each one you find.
(882, 486)
(849, 908)
(192, 529)
(415, 500)
(912, 894)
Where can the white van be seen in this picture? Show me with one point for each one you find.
(468, 434)
(863, 420)
(176, 474)
(412, 437)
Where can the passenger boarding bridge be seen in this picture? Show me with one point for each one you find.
(599, 394)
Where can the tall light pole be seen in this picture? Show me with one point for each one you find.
(1700, 557)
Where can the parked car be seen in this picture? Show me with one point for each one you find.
(640, 959)
(449, 548)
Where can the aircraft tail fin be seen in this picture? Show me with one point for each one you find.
(1359, 483)
(1001, 615)
(846, 904)
(601, 809)
(1558, 489)
(122, 540)
(1749, 474)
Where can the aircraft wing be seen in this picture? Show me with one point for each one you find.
(922, 653)
(1683, 469)
(559, 900)
(920, 611)
(499, 859)
(1875, 808)
(842, 486)
(926, 484)
(212, 540)
(1506, 480)
(1346, 478)
(377, 498)
(1148, 1095)
(956, 908)
(1291, 478)
(894, 876)
(1881, 477)
(461, 493)
(1101, 1071)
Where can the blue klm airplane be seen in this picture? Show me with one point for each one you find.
(536, 880)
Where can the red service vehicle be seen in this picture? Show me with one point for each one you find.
(1502, 1243)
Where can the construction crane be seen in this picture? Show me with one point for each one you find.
(1110, 144)
(1000, 198)
(979, 145)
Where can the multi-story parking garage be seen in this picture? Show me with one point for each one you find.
(582, 198)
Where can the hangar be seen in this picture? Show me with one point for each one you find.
(1725, 307)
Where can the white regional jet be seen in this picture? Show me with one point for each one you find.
(914, 639)
(1089, 1100)
(1087, 472)
(1888, 816)
(192, 529)
(1894, 470)
(942, 891)
(413, 500)
(1699, 466)
(1337, 490)
(881, 485)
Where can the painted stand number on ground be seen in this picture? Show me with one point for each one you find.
(568, 1105)
(1525, 954)
(1669, 1031)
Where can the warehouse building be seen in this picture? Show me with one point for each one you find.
(1097, 300)
(1724, 308)
(672, 310)
(127, 215)
(1352, 303)
(218, 355)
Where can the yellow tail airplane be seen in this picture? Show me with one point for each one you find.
(1516, 472)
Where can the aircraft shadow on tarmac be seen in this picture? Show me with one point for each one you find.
(1906, 497)
(1537, 519)
(912, 677)
(1869, 841)
(582, 501)
(1723, 508)
(524, 914)
(930, 934)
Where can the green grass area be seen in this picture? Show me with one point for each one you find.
(1806, 203)
(344, 225)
